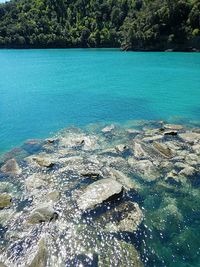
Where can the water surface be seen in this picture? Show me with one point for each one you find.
(42, 91)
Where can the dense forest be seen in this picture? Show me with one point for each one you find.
(129, 24)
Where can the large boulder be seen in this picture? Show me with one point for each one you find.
(5, 201)
(11, 167)
(98, 192)
(43, 213)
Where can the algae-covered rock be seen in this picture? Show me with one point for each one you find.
(40, 258)
(11, 167)
(5, 201)
(98, 192)
(43, 213)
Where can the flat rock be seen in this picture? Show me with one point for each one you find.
(43, 213)
(5, 201)
(54, 196)
(98, 192)
(190, 137)
(174, 126)
(152, 138)
(11, 167)
(163, 150)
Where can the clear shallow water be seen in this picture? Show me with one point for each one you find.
(42, 91)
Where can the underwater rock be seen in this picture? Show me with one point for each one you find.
(138, 150)
(173, 178)
(145, 169)
(43, 213)
(190, 137)
(163, 150)
(120, 177)
(44, 162)
(40, 258)
(196, 149)
(54, 196)
(35, 181)
(98, 192)
(188, 171)
(124, 255)
(124, 218)
(5, 201)
(152, 138)
(108, 129)
(11, 167)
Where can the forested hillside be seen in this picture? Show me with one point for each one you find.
(129, 24)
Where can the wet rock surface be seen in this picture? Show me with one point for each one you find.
(104, 196)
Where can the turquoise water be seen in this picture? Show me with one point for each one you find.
(42, 91)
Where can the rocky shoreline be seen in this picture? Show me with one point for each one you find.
(82, 197)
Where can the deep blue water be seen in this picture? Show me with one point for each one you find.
(42, 91)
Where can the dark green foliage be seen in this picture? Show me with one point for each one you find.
(130, 24)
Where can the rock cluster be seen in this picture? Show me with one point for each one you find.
(94, 182)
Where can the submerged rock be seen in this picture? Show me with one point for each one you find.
(108, 129)
(173, 126)
(44, 162)
(43, 213)
(145, 169)
(188, 171)
(120, 177)
(98, 192)
(124, 218)
(124, 255)
(35, 181)
(163, 150)
(54, 196)
(5, 201)
(40, 258)
(11, 167)
(190, 137)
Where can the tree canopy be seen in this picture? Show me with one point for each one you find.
(129, 24)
